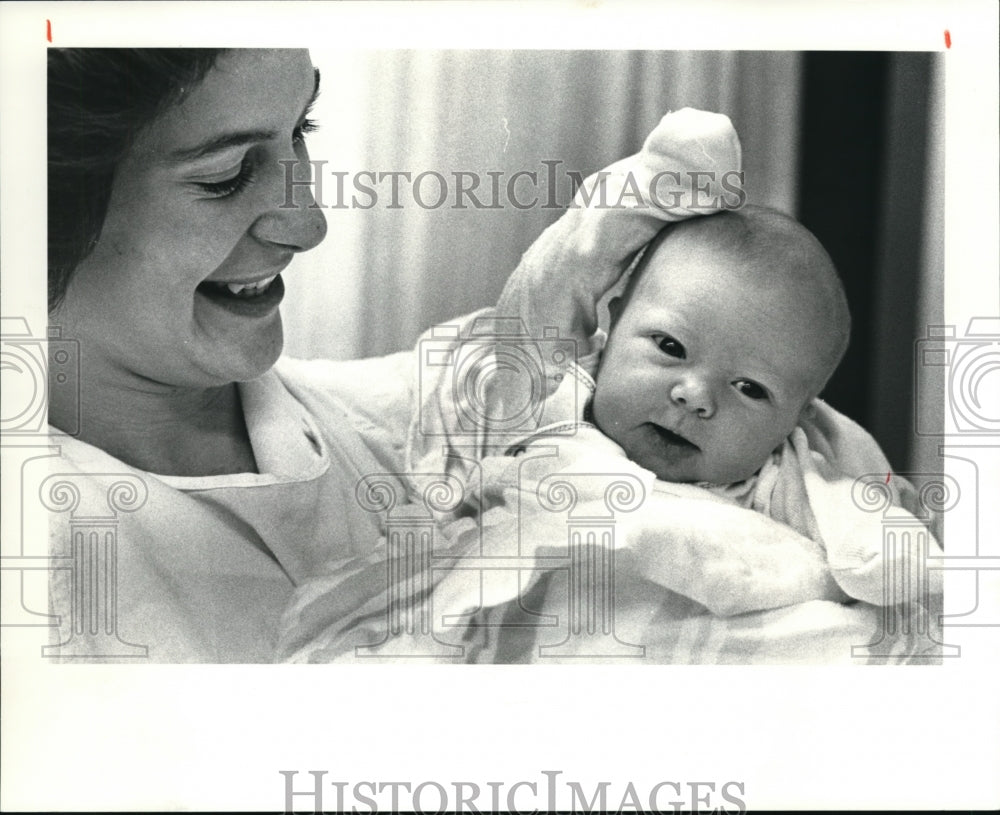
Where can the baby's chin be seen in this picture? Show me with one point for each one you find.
(678, 461)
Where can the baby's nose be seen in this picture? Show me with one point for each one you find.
(695, 395)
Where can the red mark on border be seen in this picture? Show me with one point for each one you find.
(947, 38)
(48, 30)
(887, 477)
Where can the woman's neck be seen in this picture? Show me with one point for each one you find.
(166, 431)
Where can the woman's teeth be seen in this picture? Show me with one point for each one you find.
(251, 289)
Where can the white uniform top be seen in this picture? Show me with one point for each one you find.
(205, 566)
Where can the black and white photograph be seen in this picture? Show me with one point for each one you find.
(651, 368)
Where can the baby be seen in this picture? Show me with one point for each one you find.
(728, 328)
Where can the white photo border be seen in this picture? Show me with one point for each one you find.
(216, 737)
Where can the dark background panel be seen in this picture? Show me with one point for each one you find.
(861, 192)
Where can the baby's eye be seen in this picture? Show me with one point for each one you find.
(669, 346)
(751, 389)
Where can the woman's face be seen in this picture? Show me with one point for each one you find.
(195, 213)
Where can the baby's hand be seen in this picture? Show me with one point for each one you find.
(691, 164)
(704, 150)
(853, 536)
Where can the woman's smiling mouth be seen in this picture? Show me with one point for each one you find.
(252, 289)
(251, 299)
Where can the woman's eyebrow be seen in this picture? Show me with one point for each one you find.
(239, 138)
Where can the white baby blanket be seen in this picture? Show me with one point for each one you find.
(569, 550)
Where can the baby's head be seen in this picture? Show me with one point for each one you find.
(728, 327)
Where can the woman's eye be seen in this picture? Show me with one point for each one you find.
(751, 389)
(308, 126)
(231, 186)
(669, 346)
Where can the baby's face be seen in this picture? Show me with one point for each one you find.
(706, 370)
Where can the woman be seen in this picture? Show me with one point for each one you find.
(169, 229)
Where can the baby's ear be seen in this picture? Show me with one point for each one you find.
(615, 309)
(808, 410)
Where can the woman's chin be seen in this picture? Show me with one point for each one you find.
(249, 360)
(259, 365)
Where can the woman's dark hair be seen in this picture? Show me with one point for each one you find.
(98, 100)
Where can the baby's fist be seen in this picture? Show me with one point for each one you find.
(693, 163)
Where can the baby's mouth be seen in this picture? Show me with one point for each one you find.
(672, 439)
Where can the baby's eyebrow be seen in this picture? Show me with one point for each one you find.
(239, 138)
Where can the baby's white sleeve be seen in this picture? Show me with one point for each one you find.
(689, 165)
(859, 515)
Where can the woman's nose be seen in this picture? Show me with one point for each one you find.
(295, 220)
(695, 395)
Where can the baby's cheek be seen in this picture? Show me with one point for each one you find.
(755, 443)
(604, 413)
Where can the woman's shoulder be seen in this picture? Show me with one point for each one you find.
(373, 397)
(78, 456)
(356, 382)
